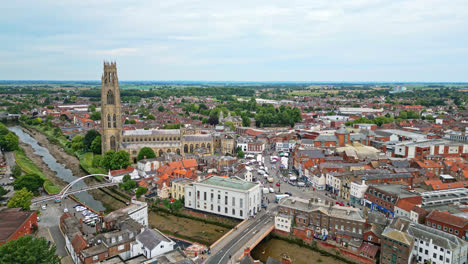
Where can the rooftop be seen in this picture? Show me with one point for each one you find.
(148, 132)
(229, 183)
(10, 220)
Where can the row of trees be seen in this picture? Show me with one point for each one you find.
(90, 142)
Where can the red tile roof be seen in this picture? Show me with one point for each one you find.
(79, 243)
(129, 169)
(446, 217)
(405, 205)
(369, 249)
(439, 185)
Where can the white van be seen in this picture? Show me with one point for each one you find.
(272, 190)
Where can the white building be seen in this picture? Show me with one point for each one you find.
(317, 181)
(436, 246)
(285, 145)
(151, 243)
(357, 192)
(230, 197)
(333, 182)
(147, 165)
(283, 222)
(137, 210)
(117, 175)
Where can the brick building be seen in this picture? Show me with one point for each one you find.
(321, 220)
(384, 198)
(15, 223)
(446, 222)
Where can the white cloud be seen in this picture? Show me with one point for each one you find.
(255, 39)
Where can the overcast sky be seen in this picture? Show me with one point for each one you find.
(241, 40)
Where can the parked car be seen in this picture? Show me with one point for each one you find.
(44, 207)
(340, 203)
(65, 210)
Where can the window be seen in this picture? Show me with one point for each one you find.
(241, 202)
(95, 258)
(204, 196)
(435, 247)
(240, 213)
(225, 210)
(121, 247)
(450, 230)
(428, 223)
(433, 225)
(369, 238)
(189, 193)
(445, 228)
(434, 255)
(233, 201)
(225, 200)
(439, 227)
(420, 250)
(426, 252)
(120, 238)
(233, 211)
(456, 232)
(441, 257)
(219, 208)
(211, 207)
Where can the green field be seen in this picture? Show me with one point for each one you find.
(29, 167)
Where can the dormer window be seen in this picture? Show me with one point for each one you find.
(120, 238)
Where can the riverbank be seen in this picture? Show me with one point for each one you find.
(72, 163)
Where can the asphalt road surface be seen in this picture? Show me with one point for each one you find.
(226, 254)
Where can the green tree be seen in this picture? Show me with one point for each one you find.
(2, 191)
(3, 129)
(230, 124)
(140, 191)
(95, 116)
(89, 137)
(28, 249)
(77, 143)
(9, 142)
(128, 184)
(146, 153)
(115, 160)
(21, 199)
(32, 182)
(96, 145)
(16, 171)
(177, 205)
(96, 161)
(240, 154)
(150, 117)
(161, 108)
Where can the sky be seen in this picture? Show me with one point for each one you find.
(242, 40)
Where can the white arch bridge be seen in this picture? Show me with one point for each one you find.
(67, 190)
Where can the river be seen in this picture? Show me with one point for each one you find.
(61, 171)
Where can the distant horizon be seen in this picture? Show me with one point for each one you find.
(240, 82)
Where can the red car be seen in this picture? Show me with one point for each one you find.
(278, 184)
(340, 203)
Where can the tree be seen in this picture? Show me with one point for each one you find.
(3, 129)
(240, 154)
(161, 108)
(95, 116)
(245, 121)
(213, 120)
(128, 184)
(177, 205)
(77, 143)
(150, 117)
(96, 161)
(2, 191)
(96, 145)
(16, 171)
(21, 199)
(9, 142)
(140, 191)
(28, 249)
(115, 160)
(146, 153)
(89, 137)
(32, 182)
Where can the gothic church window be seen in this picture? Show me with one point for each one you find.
(110, 98)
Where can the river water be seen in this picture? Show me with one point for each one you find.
(61, 171)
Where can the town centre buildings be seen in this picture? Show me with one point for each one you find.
(229, 197)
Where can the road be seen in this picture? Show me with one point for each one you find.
(229, 248)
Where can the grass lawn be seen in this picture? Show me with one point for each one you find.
(86, 161)
(29, 167)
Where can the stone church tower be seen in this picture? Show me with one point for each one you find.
(111, 119)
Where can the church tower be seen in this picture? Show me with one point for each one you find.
(111, 119)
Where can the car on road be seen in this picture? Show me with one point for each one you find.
(11, 178)
(65, 210)
(44, 207)
(288, 193)
(340, 203)
(278, 184)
